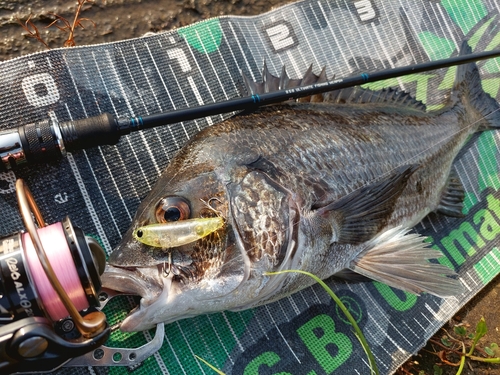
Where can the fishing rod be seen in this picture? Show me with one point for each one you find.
(48, 139)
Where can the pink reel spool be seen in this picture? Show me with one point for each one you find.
(54, 241)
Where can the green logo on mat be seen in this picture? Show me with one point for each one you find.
(205, 36)
(318, 345)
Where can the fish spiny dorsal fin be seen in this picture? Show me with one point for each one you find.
(350, 95)
(272, 83)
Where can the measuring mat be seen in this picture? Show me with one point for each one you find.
(101, 188)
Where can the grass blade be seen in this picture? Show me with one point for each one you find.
(358, 333)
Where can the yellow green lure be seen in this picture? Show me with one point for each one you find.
(177, 233)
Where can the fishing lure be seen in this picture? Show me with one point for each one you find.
(177, 233)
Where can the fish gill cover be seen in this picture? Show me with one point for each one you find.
(101, 188)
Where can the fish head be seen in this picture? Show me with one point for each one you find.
(175, 282)
(206, 275)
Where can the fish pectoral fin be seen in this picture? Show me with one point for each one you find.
(452, 199)
(360, 215)
(400, 259)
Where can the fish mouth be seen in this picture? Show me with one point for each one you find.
(145, 282)
(141, 281)
(150, 283)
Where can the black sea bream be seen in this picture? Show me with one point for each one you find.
(329, 186)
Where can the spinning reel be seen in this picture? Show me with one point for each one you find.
(50, 298)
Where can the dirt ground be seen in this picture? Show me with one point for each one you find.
(124, 19)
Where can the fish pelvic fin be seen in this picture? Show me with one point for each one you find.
(467, 88)
(452, 198)
(360, 215)
(400, 259)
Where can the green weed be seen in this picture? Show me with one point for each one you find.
(357, 331)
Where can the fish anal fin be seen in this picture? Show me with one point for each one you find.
(452, 199)
(400, 259)
(360, 215)
(350, 276)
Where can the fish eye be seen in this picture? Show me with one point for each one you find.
(172, 209)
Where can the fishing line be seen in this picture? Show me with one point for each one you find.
(53, 238)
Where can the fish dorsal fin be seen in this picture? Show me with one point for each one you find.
(354, 95)
(399, 259)
(271, 83)
(452, 199)
(360, 215)
(359, 95)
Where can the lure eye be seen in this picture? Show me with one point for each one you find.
(172, 209)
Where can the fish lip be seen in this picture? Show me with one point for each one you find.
(142, 281)
(143, 316)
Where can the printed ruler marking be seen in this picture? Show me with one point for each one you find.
(146, 109)
(475, 156)
(232, 332)
(291, 301)
(264, 331)
(281, 334)
(333, 54)
(443, 17)
(200, 71)
(217, 75)
(198, 95)
(159, 359)
(466, 284)
(75, 170)
(346, 62)
(139, 94)
(305, 36)
(185, 100)
(269, 58)
(161, 79)
(464, 172)
(241, 50)
(88, 203)
(175, 355)
(219, 338)
(188, 345)
(231, 52)
(99, 147)
(222, 58)
(411, 25)
(386, 53)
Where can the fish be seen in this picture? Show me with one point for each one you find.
(331, 184)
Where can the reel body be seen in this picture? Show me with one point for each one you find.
(51, 299)
(40, 327)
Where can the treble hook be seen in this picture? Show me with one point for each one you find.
(166, 272)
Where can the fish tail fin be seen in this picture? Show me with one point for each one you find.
(482, 109)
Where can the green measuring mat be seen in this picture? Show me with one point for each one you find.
(101, 188)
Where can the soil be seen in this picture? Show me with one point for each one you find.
(123, 19)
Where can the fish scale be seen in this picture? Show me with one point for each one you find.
(350, 167)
